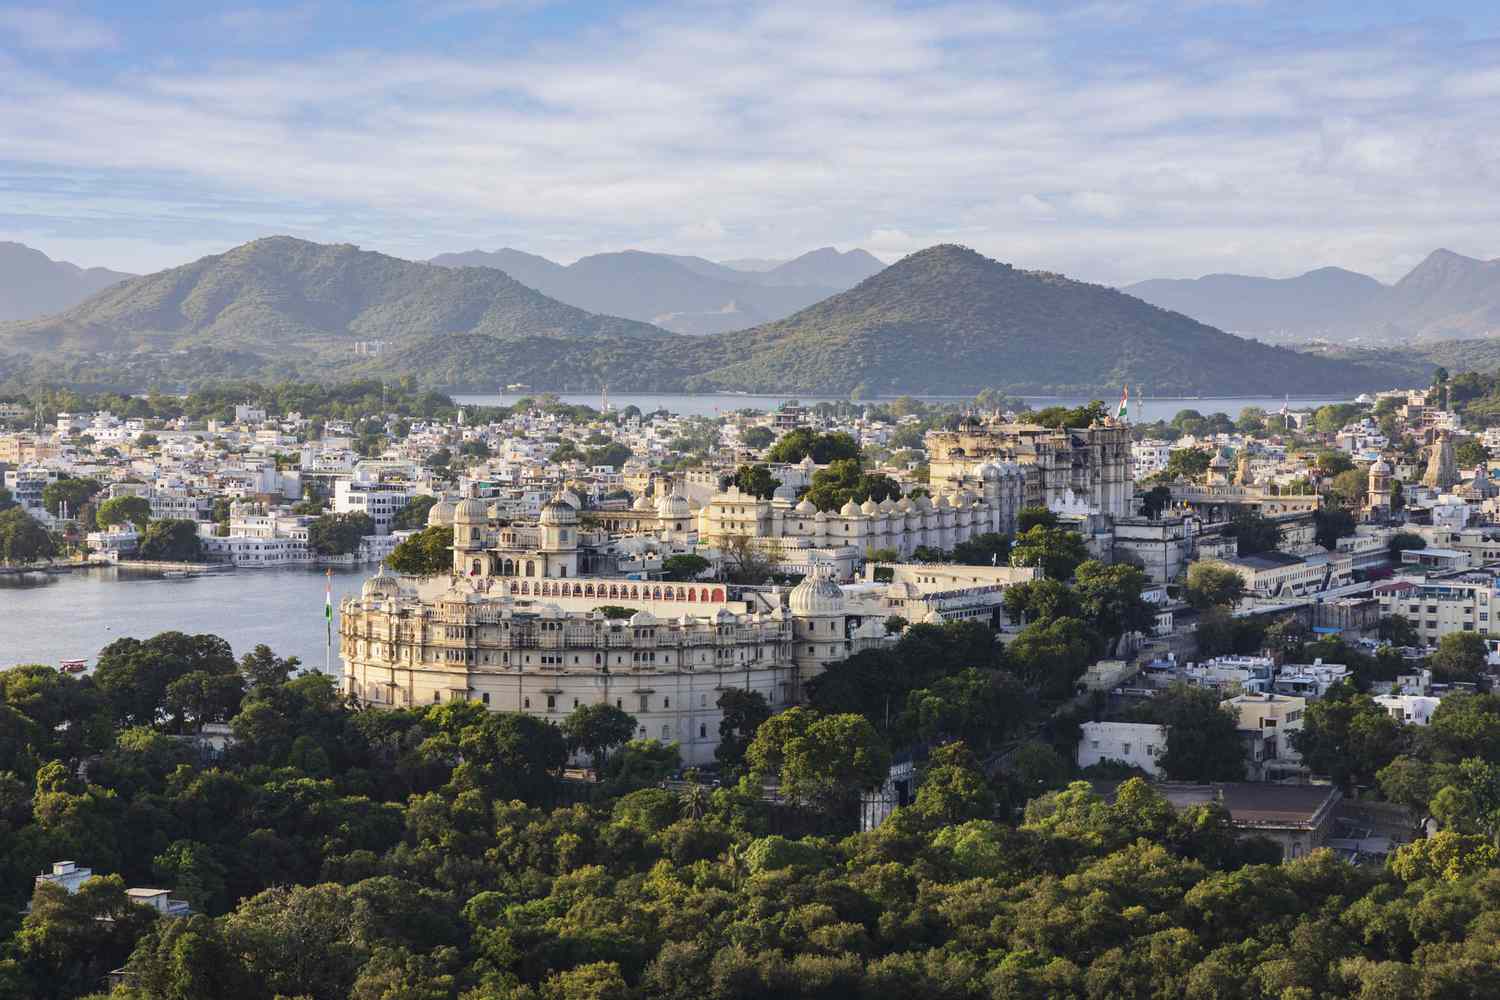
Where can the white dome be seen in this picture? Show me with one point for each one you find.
(785, 492)
(903, 505)
(643, 503)
(817, 594)
(1381, 466)
(471, 511)
(672, 507)
(441, 514)
(556, 511)
(887, 505)
(806, 507)
(869, 507)
(381, 586)
(848, 510)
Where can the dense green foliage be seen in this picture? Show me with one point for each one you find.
(339, 534)
(427, 553)
(171, 540)
(278, 306)
(338, 852)
(22, 537)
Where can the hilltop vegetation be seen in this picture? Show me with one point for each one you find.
(943, 321)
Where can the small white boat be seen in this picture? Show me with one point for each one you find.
(176, 574)
(73, 666)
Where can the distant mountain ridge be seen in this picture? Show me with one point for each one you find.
(1447, 296)
(683, 294)
(33, 284)
(289, 296)
(944, 321)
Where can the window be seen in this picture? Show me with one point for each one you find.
(645, 703)
(485, 697)
(666, 703)
(551, 702)
(666, 732)
(435, 696)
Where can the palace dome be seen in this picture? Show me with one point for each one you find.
(806, 507)
(817, 594)
(381, 587)
(643, 503)
(849, 509)
(869, 507)
(471, 511)
(673, 507)
(441, 514)
(558, 511)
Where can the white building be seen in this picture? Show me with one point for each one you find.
(1411, 709)
(1138, 744)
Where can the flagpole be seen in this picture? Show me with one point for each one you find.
(328, 619)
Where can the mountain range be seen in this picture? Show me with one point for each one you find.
(943, 321)
(683, 294)
(33, 284)
(1447, 296)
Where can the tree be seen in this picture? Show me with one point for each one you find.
(171, 540)
(756, 480)
(797, 444)
(134, 675)
(746, 561)
(1155, 501)
(596, 729)
(1348, 489)
(1331, 463)
(73, 493)
(1190, 464)
(414, 514)
(1331, 525)
(1459, 656)
(1398, 630)
(1031, 517)
(263, 669)
(1210, 585)
(844, 481)
(1056, 551)
(23, 539)
(427, 553)
(124, 510)
(1111, 599)
(1469, 453)
(684, 567)
(1051, 656)
(973, 705)
(988, 548)
(1401, 541)
(954, 789)
(757, 438)
(69, 941)
(742, 712)
(339, 534)
(1203, 742)
(1253, 531)
(1347, 736)
(819, 762)
(1041, 601)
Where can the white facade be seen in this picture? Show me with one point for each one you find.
(1138, 744)
(1410, 709)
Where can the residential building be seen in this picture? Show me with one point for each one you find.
(1137, 744)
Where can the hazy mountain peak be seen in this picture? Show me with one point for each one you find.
(33, 284)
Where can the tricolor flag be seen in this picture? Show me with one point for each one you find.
(1123, 411)
(328, 606)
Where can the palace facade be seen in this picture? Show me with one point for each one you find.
(1087, 467)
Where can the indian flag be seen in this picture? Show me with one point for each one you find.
(328, 606)
(1122, 412)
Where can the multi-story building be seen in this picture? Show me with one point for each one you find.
(1149, 456)
(1443, 603)
(1136, 744)
(370, 496)
(1089, 466)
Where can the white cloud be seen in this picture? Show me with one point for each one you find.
(729, 130)
(50, 30)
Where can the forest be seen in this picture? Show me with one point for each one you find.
(333, 851)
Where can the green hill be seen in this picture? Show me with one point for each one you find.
(944, 321)
(948, 320)
(281, 295)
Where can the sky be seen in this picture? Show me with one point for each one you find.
(1112, 140)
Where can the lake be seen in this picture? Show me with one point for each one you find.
(47, 618)
(1153, 408)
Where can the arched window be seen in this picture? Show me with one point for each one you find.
(718, 593)
(668, 595)
(475, 569)
(578, 590)
(588, 590)
(530, 568)
(692, 595)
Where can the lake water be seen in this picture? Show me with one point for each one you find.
(1151, 409)
(48, 618)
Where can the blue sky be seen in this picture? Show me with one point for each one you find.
(1112, 140)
